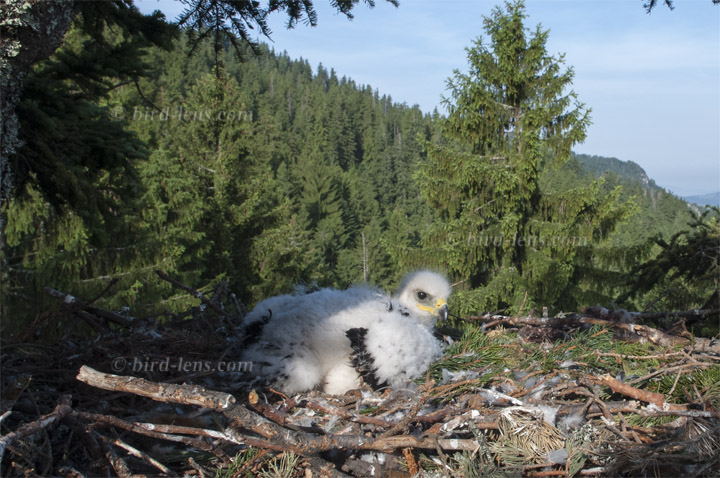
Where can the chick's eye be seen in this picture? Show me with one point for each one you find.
(421, 295)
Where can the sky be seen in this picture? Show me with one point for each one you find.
(651, 80)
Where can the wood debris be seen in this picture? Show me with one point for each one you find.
(585, 394)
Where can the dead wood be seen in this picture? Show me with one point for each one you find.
(62, 409)
(157, 391)
(194, 292)
(618, 322)
(149, 430)
(88, 312)
(657, 399)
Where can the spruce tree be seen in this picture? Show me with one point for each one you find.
(508, 241)
(685, 274)
(72, 222)
(322, 209)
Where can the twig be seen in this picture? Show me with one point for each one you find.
(112, 283)
(108, 420)
(438, 449)
(677, 379)
(665, 356)
(62, 409)
(5, 415)
(194, 292)
(679, 413)
(342, 413)
(202, 472)
(522, 306)
(142, 455)
(118, 464)
(88, 312)
(669, 370)
(655, 398)
(411, 414)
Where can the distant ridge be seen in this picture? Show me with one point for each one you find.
(633, 172)
(712, 199)
(626, 170)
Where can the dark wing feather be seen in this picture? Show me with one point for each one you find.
(253, 331)
(361, 359)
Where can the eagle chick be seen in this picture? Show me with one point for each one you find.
(334, 340)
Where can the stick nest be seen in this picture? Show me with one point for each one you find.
(591, 394)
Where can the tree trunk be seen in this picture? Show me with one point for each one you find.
(30, 31)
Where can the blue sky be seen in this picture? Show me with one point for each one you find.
(652, 81)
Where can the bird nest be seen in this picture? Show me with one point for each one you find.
(591, 394)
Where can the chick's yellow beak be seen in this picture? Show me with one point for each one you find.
(441, 310)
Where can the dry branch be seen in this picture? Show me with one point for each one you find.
(162, 392)
(62, 409)
(87, 312)
(643, 332)
(107, 420)
(657, 399)
(299, 442)
(194, 292)
(342, 413)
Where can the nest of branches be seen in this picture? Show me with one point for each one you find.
(589, 394)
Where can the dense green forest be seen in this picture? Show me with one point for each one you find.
(255, 168)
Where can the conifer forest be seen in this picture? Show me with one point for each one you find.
(161, 180)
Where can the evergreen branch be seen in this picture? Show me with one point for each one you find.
(123, 274)
(142, 96)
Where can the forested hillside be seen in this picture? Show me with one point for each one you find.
(660, 213)
(627, 170)
(259, 170)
